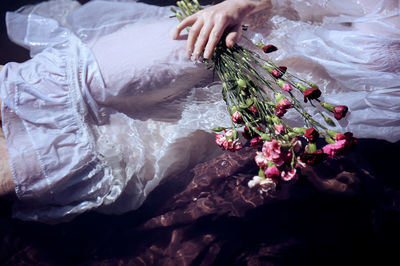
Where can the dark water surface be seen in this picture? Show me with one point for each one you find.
(208, 216)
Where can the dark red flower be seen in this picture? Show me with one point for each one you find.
(311, 94)
(313, 158)
(256, 141)
(253, 109)
(340, 111)
(269, 48)
(311, 134)
(280, 112)
(278, 72)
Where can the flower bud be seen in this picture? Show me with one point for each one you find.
(278, 72)
(233, 109)
(218, 129)
(332, 133)
(276, 120)
(311, 134)
(249, 102)
(269, 48)
(234, 134)
(311, 94)
(311, 147)
(279, 97)
(260, 45)
(242, 105)
(241, 83)
(279, 112)
(266, 137)
(299, 130)
(301, 86)
(261, 173)
(256, 141)
(313, 85)
(286, 87)
(237, 117)
(268, 68)
(327, 106)
(253, 109)
(340, 111)
(329, 121)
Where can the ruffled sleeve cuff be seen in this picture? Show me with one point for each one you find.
(47, 111)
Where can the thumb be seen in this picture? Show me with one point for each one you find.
(233, 36)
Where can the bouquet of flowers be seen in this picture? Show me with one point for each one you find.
(258, 94)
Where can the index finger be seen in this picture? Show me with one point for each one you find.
(184, 23)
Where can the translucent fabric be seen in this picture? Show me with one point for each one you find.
(109, 105)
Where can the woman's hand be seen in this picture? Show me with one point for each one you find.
(209, 25)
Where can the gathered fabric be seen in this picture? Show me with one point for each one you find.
(109, 105)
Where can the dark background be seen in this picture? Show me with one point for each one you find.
(9, 52)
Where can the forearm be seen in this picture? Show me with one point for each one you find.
(6, 181)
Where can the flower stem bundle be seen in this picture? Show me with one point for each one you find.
(258, 94)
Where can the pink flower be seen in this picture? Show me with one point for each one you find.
(227, 142)
(256, 141)
(340, 111)
(311, 134)
(237, 117)
(261, 160)
(278, 72)
(290, 175)
(269, 48)
(279, 129)
(253, 109)
(350, 141)
(332, 149)
(311, 94)
(237, 145)
(220, 139)
(284, 104)
(287, 87)
(272, 152)
(272, 172)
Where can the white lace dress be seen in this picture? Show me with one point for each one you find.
(109, 104)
